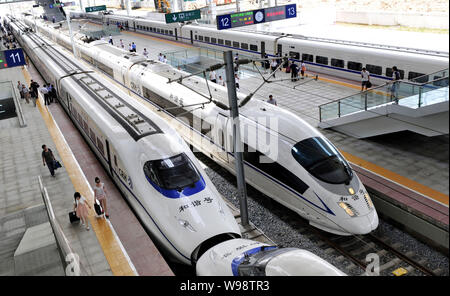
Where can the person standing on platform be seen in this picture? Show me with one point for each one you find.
(221, 82)
(49, 159)
(121, 44)
(272, 101)
(145, 53)
(394, 88)
(164, 60)
(302, 69)
(160, 57)
(52, 93)
(273, 67)
(365, 78)
(110, 40)
(34, 91)
(285, 63)
(100, 195)
(294, 72)
(236, 79)
(26, 93)
(44, 92)
(49, 93)
(212, 76)
(80, 206)
(133, 46)
(19, 88)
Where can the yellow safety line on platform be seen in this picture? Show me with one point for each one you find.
(108, 241)
(427, 191)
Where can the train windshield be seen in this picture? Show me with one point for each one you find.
(321, 159)
(174, 173)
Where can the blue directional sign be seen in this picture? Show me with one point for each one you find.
(264, 15)
(12, 58)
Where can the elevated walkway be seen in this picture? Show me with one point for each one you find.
(419, 105)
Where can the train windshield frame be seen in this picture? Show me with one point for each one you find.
(322, 160)
(173, 173)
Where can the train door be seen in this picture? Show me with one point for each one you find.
(176, 34)
(108, 154)
(263, 48)
(279, 49)
(134, 26)
(192, 37)
(220, 137)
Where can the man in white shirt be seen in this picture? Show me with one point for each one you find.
(273, 66)
(164, 60)
(44, 91)
(212, 76)
(145, 53)
(160, 57)
(365, 75)
(272, 101)
(221, 82)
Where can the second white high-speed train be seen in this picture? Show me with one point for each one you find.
(300, 169)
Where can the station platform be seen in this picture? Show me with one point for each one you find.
(417, 163)
(111, 247)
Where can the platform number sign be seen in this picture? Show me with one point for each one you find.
(12, 58)
(224, 22)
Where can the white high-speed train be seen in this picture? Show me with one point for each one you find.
(334, 57)
(154, 169)
(302, 170)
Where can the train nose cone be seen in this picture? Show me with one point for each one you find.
(364, 224)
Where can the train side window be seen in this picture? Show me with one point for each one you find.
(307, 57)
(236, 44)
(253, 47)
(389, 73)
(294, 55)
(378, 70)
(100, 146)
(220, 41)
(322, 60)
(412, 75)
(166, 32)
(337, 63)
(196, 38)
(171, 32)
(213, 40)
(354, 66)
(206, 39)
(244, 45)
(200, 38)
(227, 42)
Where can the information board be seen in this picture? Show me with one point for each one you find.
(245, 18)
(182, 16)
(12, 58)
(95, 8)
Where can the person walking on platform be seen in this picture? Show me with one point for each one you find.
(121, 44)
(80, 206)
(145, 53)
(34, 91)
(302, 69)
(130, 48)
(394, 88)
(286, 63)
(26, 93)
(52, 93)
(212, 76)
(19, 88)
(294, 72)
(221, 82)
(44, 92)
(133, 46)
(236, 80)
(100, 195)
(49, 159)
(272, 101)
(110, 40)
(160, 57)
(49, 93)
(273, 67)
(164, 60)
(365, 78)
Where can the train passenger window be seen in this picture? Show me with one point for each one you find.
(174, 173)
(390, 73)
(337, 63)
(412, 75)
(100, 146)
(166, 32)
(322, 60)
(253, 47)
(307, 57)
(213, 40)
(171, 32)
(227, 42)
(200, 38)
(274, 169)
(244, 45)
(196, 37)
(236, 44)
(378, 70)
(220, 41)
(206, 39)
(158, 30)
(294, 55)
(354, 66)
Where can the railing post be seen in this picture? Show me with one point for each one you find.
(365, 101)
(339, 109)
(320, 113)
(420, 95)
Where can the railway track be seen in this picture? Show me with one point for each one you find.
(353, 254)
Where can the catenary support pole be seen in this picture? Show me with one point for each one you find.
(237, 145)
(71, 33)
(128, 7)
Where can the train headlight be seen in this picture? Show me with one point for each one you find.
(346, 209)
(368, 200)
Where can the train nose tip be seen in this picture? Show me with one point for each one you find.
(367, 224)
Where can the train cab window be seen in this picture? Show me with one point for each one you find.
(213, 40)
(378, 70)
(294, 55)
(174, 173)
(236, 44)
(322, 160)
(390, 73)
(200, 38)
(253, 47)
(244, 45)
(412, 75)
(100, 146)
(322, 60)
(354, 66)
(206, 39)
(307, 57)
(220, 41)
(227, 42)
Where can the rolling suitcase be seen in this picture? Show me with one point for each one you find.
(98, 208)
(73, 217)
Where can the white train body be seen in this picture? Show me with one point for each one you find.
(332, 57)
(243, 257)
(330, 196)
(180, 216)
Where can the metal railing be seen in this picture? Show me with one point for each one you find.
(430, 77)
(406, 93)
(16, 98)
(65, 251)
